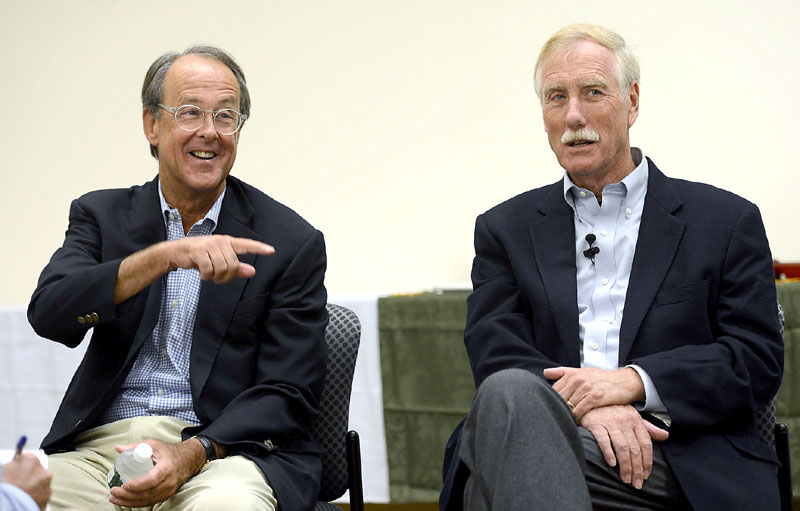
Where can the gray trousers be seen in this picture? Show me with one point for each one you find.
(524, 451)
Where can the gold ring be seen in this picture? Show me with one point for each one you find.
(571, 406)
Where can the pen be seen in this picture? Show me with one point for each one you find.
(20, 445)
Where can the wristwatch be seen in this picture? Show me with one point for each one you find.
(211, 453)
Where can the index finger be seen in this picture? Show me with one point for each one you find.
(120, 448)
(248, 246)
(554, 373)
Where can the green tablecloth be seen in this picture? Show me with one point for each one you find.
(787, 402)
(428, 388)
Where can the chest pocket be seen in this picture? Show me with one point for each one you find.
(696, 291)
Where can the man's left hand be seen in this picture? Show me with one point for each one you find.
(625, 439)
(587, 388)
(174, 465)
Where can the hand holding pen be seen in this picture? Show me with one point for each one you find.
(27, 473)
(20, 445)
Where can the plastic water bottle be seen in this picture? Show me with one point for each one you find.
(131, 464)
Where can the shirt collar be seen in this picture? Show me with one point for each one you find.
(635, 183)
(212, 214)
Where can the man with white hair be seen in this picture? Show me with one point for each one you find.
(623, 330)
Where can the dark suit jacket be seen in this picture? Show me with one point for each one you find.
(258, 353)
(700, 317)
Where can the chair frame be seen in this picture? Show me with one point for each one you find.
(343, 447)
(785, 470)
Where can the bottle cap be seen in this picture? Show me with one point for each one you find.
(142, 452)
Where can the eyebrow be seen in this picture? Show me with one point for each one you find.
(227, 102)
(550, 88)
(588, 84)
(594, 84)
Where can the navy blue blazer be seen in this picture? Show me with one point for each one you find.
(258, 353)
(700, 317)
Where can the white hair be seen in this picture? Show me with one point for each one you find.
(627, 66)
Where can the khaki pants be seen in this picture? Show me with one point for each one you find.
(79, 477)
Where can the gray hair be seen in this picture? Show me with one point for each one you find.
(627, 66)
(153, 86)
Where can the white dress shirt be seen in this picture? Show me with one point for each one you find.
(603, 281)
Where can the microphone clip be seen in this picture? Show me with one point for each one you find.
(590, 252)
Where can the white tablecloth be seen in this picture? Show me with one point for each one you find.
(34, 374)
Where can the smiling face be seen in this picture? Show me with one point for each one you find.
(193, 166)
(587, 115)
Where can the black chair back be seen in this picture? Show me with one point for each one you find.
(342, 335)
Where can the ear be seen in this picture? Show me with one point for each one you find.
(150, 126)
(633, 97)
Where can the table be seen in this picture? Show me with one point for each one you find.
(787, 402)
(427, 387)
(34, 374)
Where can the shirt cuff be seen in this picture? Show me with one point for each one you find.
(17, 498)
(652, 402)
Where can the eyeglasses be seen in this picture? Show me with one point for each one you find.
(190, 118)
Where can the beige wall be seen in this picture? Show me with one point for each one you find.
(388, 124)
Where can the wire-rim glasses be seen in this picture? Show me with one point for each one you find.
(191, 118)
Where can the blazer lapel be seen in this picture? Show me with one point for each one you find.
(553, 237)
(146, 228)
(146, 220)
(217, 302)
(660, 233)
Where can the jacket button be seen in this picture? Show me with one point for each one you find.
(88, 318)
(81, 320)
(95, 317)
(269, 445)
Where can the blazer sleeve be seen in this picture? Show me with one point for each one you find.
(739, 369)
(75, 290)
(499, 333)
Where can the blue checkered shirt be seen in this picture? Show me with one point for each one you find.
(158, 382)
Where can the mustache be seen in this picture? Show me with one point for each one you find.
(584, 134)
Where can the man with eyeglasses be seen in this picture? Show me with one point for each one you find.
(208, 343)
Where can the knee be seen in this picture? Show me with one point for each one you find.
(513, 384)
(229, 496)
(511, 391)
(229, 493)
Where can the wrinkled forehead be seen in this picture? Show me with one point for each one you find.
(194, 78)
(582, 63)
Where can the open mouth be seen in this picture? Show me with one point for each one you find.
(580, 143)
(203, 155)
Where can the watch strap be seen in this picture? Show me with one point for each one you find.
(211, 453)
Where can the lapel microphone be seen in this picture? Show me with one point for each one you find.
(590, 252)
